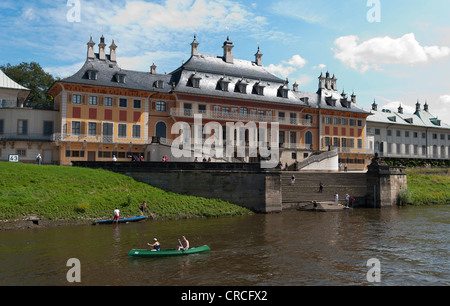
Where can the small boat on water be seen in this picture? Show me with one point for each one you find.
(126, 220)
(167, 252)
(323, 207)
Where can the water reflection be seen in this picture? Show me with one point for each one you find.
(292, 248)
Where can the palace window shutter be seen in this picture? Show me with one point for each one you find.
(69, 98)
(115, 101)
(100, 100)
(83, 128)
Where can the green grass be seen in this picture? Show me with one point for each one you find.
(427, 186)
(56, 192)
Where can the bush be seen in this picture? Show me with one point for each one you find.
(405, 197)
(82, 207)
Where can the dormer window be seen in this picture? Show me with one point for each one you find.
(91, 74)
(120, 78)
(283, 92)
(158, 84)
(258, 89)
(241, 87)
(195, 81)
(330, 101)
(223, 84)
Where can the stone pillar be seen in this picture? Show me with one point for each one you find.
(384, 183)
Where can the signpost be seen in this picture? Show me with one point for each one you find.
(13, 158)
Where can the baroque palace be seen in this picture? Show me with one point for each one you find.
(104, 112)
(108, 112)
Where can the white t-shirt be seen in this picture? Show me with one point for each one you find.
(116, 212)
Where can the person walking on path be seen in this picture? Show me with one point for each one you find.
(320, 187)
(336, 198)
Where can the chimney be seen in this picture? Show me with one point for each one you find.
(295, 87)
(400, 109)
(153, 69)
(374, 106)
(425, 107)
(353, 96)
(417, 106)
(194, 46)
(90, 50)
(101, 49)
(228, 51)
(258, 57)
(112, 52)
(333, 83)
(321, 82)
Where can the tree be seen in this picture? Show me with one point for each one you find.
(32, 76)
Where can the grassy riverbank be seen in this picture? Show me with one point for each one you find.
(69, 193)
(427, 186)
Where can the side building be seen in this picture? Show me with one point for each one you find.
(24, 132)
(420, 135)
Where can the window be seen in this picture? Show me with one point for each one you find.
(293, 118)
(359, 122)
(161, 106)
(424, 150)
(335, 121)
(22, 127)
(377, 132)
(92, 129)
(161, 130)
(1, 126)
(122, 132)
(48, 128)
(225, 110)
(108, 129)
(434, 136)
(416, 149)
(398, 133)
(21, 152)
(415, 135)
(136, 131)
(108, 101)
(327, 120)
(343, 121)
(360, 143)
(442, 137)
(344, 142)
(260, 114)
(335, 142)
(76, 127)
(120, 78)
(92, 100)
(327, 141)
(136, 103)
(244, 112)
(351, 143)
(281, 116)
(123, 102)
(202, 109)
(293, 137)
(216, 109)
(351, 122)
(389, 132)
(309, 138)
(92, 74)
(76, 99)
(3, 103)
(406, 133)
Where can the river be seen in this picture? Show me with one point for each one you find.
(411, 245)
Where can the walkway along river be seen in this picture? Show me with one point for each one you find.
(292, 248)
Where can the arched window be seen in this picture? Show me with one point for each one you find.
(309, 138)
(161, 130)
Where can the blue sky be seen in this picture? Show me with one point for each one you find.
(400, 59)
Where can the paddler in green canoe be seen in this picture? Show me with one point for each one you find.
(184, 244)
(156, 246)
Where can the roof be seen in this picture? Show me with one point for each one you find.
(421, 118)
(6, 82)
(107, 72)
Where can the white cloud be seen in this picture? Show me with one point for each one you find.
(286, 68)
(378, 51)
(320, 66)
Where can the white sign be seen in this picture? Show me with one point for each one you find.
(13, 158)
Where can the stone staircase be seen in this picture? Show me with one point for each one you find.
(306, 187)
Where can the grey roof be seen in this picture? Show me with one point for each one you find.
(106, 76)
(239, 68)
(6, 82)
(420, 118)
(212, 69)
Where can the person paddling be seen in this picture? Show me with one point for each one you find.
(156, 246)
(184, 244)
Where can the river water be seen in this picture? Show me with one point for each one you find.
(411, 245)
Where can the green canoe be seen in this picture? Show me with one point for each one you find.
(167, 252)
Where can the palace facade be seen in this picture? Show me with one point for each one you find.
(107, 112)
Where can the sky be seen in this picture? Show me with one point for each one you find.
(391, 51)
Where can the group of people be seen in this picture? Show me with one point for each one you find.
(183, 244)
(348, 199)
